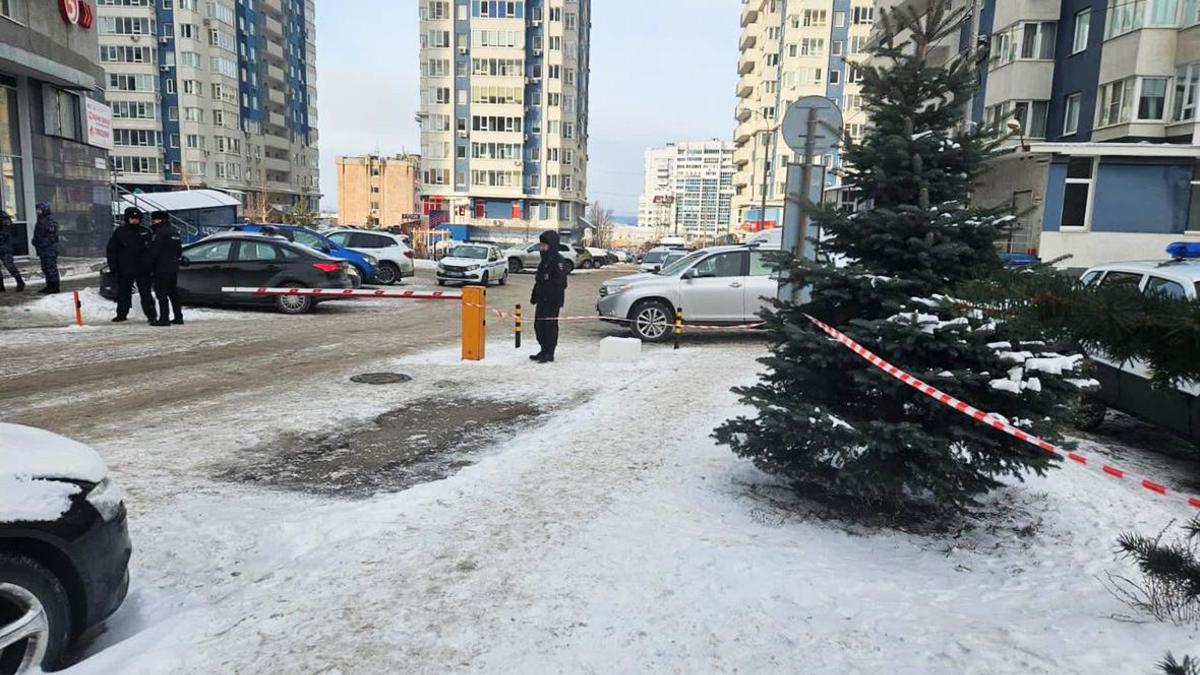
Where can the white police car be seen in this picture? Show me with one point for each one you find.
(473, 264)
(1126, 386)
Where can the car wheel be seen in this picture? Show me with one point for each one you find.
(569, 266)
(504, 279)
(293, 304)
(1090, 414)
(652, 321)
(35, 610)
(387, 274)
(515, 266)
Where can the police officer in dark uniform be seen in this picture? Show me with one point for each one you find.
(129, 260)
(45, 244)
(549, 294)
(6, 252)
(165, 249)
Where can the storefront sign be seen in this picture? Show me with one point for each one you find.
(99, 124)
(77, 12)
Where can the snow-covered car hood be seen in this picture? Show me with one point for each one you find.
(463, 262)
(632, 278)
(35, 453)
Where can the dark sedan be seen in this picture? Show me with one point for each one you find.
(249, 260)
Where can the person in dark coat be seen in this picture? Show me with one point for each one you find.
(129, 261)
(6, 252)
(166, 247)
(45, 244)
(549, 294)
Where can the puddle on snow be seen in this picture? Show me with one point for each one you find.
(427, 440)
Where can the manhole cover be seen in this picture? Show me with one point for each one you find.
(381, 378)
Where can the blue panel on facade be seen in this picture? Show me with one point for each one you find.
(170, 128)
(987, 16)
(1076, 73)
(1161, 207)
(1056, 185)
(498, 208)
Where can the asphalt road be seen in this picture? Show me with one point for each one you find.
(103, 378)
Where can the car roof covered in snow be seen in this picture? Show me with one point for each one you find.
(36, 453)
(183, 200)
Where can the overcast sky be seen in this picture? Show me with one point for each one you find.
(662, 70)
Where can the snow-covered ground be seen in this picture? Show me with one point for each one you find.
(615, 536)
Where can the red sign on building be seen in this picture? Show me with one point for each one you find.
(77, 12)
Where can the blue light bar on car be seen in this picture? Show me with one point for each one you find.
(1184, 249)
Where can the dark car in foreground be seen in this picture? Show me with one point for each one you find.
(249, 260)
(64, 547)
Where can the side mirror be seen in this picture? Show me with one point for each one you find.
(690, 274)
(184, 262)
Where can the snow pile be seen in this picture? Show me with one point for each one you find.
(26, 451)
(25, 499)
(61, 306)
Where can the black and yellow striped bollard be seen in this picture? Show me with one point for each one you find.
(517, 326)
(678, 325)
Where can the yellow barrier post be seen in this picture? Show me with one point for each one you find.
(474, 322)
(678, 325)
(517, 326)
(78, 311)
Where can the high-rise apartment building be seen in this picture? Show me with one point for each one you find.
(217, 93)
(378, 191)
(791, 49)
(504, 111)
(1105, 164)
(688, 189)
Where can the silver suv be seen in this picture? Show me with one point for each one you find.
(529, 256)
(723, 285)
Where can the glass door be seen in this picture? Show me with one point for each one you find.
(12, 184)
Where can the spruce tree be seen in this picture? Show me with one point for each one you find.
(829, 422)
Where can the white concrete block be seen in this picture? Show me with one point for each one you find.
(620, 350)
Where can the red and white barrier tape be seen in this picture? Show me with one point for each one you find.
(992, 420)
(345, 293)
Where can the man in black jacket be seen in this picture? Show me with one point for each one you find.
(129, 260)
(165, 250)
(549, 294)
(6, 252)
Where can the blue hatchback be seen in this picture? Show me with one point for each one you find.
(364, 263)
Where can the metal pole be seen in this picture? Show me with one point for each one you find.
(762, 214)
(810, 143)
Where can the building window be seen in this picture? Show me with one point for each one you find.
(1124, 16)
(1077, 196)
(1114, 102)
(1071, 113)
(1083, 26)
(1187, 83)
(62, 113)
(1152, 102)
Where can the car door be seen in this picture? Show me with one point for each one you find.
(533, 255)
(762, 285)
(204, 269)
(497, 264)
(714, 288)
(256, 264)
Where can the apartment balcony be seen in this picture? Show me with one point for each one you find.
(276, 96)
(750, 13)
(276, 164)
(273, 7)
(745, 89)
(279, 142)
(748, 41)
(276, 73)
(274, 27)
(275, 119)
(746, 64)
(742, 114)
(275, 50)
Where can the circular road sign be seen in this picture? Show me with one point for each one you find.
(828, 131)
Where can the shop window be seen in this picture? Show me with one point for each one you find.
(62, 114)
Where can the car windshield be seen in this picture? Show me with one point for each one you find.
(473, 252)
(676, 263)
(654, 257)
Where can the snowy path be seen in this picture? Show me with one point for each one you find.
(615, 538)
